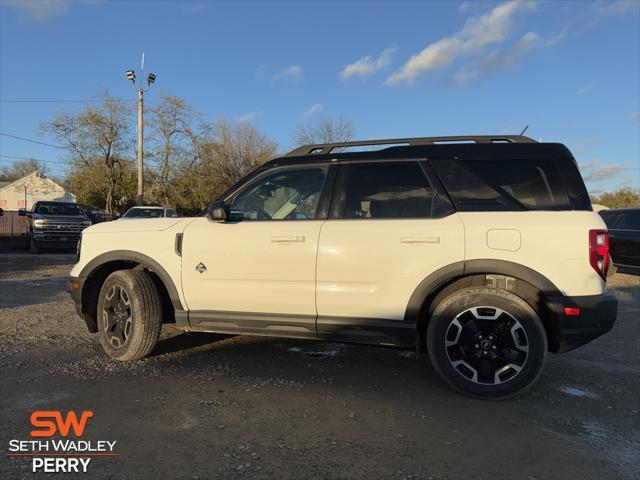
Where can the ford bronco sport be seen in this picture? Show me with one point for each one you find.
(483, 251)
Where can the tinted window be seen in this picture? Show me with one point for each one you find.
(58, 209)
(291, 194)
(629, 220)
(144, 213)
(391, 190)
(503, 184)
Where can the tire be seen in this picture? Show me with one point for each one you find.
(129, 315)
(503, 356)
(33, 247)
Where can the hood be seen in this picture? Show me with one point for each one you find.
(135, 225)
(60, 218)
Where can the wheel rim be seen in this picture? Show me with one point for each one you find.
(487, 345)
(116, 314)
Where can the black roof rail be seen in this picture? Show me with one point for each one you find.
(326, 148)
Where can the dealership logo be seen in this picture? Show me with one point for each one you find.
(57, 444)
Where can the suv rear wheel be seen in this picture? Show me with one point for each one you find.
(129, 315)
(486, 342)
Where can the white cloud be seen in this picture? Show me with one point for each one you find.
(317, 108)
(248, 117)
(484, 64)
(292, 73)
(618, 8)
(600, 174)
(368, 65)
(477, 33)
(43, 10)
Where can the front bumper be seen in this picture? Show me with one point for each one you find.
(597, 315)
(75, 290)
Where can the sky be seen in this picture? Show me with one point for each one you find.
(568, 69)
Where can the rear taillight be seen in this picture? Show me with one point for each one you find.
(599, 251)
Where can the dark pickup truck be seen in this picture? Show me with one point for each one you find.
(624, 237)
(55, 225)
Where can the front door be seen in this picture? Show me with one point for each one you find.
(257, 269)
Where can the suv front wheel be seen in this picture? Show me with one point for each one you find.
(486, 342)
(129, 315)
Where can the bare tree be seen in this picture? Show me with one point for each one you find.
(22, 168)
(325, 130)
(96, 136)
(172, 144)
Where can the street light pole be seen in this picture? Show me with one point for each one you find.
(131, 75)
(140, 200)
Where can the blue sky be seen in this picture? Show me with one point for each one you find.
(570, 70)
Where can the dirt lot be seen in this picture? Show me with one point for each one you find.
(210, 406)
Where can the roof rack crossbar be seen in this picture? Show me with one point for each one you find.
(326, 148)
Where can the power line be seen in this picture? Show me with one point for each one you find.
(33, 141)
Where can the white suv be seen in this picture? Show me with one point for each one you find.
(482, 250)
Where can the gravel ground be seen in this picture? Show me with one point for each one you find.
(213, 406)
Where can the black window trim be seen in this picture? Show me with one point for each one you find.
(473, 206)
(338, 204)
(322, 209)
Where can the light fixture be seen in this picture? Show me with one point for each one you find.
(131, 75)
(151, 78)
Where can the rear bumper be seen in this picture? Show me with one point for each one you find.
(597, 315)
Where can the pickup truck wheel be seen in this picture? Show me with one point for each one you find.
(33, 247)
(129, 315)
(486, 342)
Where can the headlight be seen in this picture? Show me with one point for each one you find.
(86, 223)
(40, 223)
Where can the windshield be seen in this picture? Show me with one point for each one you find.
(144, 213)
(54, 208)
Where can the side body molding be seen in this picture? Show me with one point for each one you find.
(136, 257)
(473, 267)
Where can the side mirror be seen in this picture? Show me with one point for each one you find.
(1, 212)
(218, 211)
(22, 212)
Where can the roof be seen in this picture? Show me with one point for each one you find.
(462, 151)
(4, 184)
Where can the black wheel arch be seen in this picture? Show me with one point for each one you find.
(531, 286)
(98, 269)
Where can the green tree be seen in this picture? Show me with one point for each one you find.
(98, 140)
(625, 197)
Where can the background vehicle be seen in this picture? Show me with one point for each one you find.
(624, 237)
(452, 248)
(54, 225)
(150, 212)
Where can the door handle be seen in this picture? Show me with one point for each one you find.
(419, 239)
(288, 238)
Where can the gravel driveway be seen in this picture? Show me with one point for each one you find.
(213, 406)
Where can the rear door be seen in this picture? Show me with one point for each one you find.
(388, 229)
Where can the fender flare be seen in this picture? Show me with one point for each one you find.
(457, 270)
(136, 257)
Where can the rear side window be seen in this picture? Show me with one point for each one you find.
(388, 190)
(503, 184)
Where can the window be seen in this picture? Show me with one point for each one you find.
(58, 209)
(388, 190)
(628, 220)
(503, 184)
(142, 212)
(288, 194)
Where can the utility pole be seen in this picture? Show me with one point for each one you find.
(131, 75)
(140, 146)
